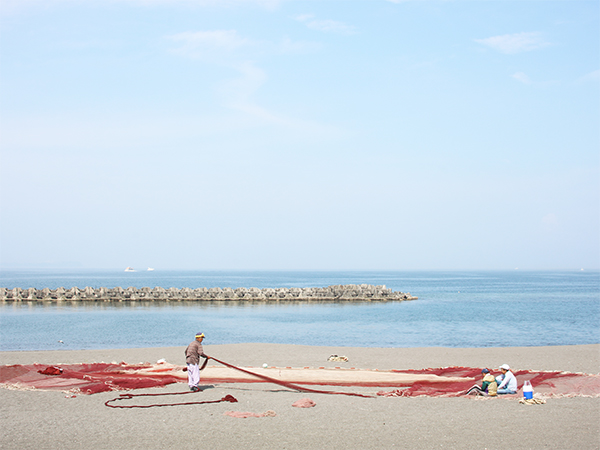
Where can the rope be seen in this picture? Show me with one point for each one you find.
(227, 398)
(286, 384)
(204, 363)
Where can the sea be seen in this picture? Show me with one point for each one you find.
(454, 309)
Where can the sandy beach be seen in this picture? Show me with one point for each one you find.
(54, 420)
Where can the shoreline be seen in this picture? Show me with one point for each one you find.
(52, 420)
(569, 358)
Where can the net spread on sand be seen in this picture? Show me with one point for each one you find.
(448, 382)
(551, 384)
(83, 378)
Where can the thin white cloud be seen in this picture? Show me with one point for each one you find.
(226, 48)
(225, 45)
(550, 219)
(304, 17)
(136, 129)
(239, 91)
(327, 25)
(515, 43)
(288, 46)
(592, 76)
(15, 6)
(221, 47)
(264, 3)
(216, 46)
(523, 78)
(268, 4)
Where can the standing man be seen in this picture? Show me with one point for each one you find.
(193, 352)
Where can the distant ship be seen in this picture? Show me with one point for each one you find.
(129, 269)
(150, 269)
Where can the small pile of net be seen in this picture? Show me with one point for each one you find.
(304, 403)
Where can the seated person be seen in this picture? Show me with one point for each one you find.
(488, 385)
(507, 382)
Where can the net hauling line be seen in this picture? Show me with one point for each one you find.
(285, 383)
(227, 398)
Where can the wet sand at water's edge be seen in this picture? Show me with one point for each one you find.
(55, 420)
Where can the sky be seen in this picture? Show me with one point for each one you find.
(300, 135)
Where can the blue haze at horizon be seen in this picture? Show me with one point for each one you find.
(455, 309)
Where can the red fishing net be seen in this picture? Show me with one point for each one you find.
(556, 384)
(304, 403)
(82, 378)
(452, 381)
(51, 371)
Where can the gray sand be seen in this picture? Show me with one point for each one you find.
(51, 420)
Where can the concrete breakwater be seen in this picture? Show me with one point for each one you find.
(349, 292)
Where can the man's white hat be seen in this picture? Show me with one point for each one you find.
(505, 367)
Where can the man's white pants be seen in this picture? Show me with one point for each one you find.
(193, 374)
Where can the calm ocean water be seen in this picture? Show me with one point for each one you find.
(455, 309)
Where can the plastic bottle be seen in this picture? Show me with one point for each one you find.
(527, 390)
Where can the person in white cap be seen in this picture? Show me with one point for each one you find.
(193, 352)
(507, 382)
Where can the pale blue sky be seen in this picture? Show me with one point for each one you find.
(318, 135)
